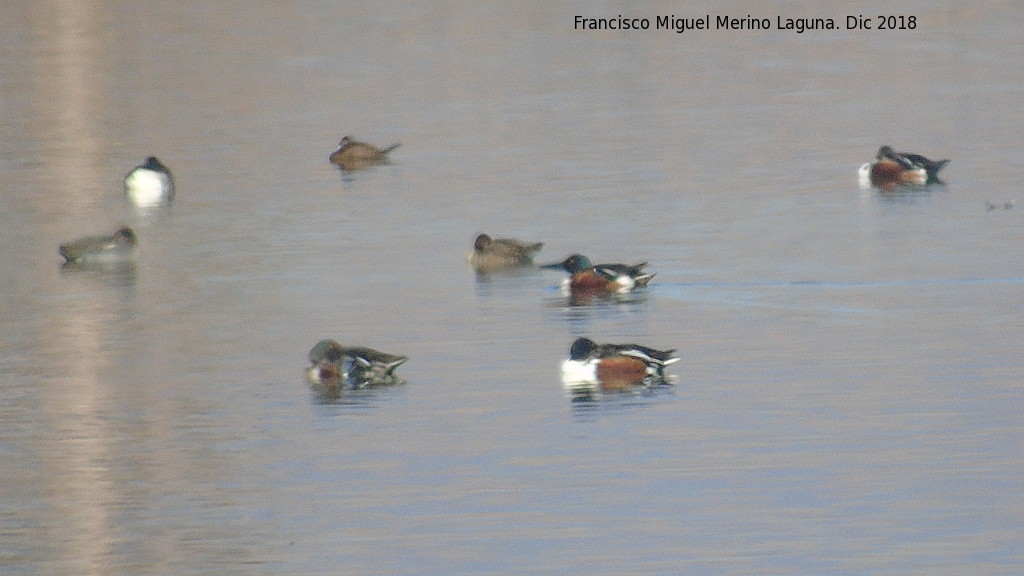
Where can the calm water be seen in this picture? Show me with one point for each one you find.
(849, 397)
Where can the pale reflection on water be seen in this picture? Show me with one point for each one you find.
(848, 399)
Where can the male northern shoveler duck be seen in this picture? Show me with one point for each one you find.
(909, 160)
(497, 253)
(149, 184)
(614, 366)
(331, 363)
(119, 247)
(588, 278)
(354, 155)
(891, 169)
(887, 174)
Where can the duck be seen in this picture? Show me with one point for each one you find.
(910, 160)
(891, 169)
(887, 174)
(587, 278)
(326, 363)
(614, 366)
(490, 254)
(354, 155)
(121, 246)
(149, 184)
(330, 362)
(373, 366)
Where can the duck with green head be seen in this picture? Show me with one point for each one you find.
(614, 366)
(121, 246)
(587, 278)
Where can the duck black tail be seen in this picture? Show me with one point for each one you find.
(937, 165)
(932, 168)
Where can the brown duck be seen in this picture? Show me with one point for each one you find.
(497, 253)
(355, 155)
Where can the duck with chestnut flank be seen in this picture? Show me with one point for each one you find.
(614, 366)
(587, 278)
(891, 169)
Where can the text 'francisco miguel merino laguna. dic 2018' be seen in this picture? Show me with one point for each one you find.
(798, 25)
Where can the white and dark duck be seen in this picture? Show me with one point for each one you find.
(614, 367)
(149, 184)
(587, 278)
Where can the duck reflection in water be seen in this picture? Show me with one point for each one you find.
(114, 274)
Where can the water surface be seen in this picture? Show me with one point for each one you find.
(848, 400)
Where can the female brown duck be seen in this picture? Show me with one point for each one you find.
(355, 155)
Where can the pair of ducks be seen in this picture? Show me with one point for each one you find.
(148, 185)
(492, 254)
(891, 168)
(590, 367)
